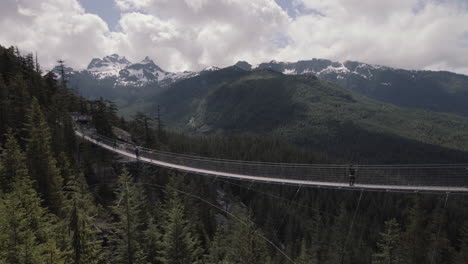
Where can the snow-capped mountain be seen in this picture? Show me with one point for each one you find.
(126, 73)
(407, 88)
(108, 66)
(323, 69)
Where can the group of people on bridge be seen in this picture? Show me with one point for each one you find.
(352, 170)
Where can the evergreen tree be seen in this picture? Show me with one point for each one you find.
(415, 236)
(14, 163)
(440, 250)
(218, 247)
(79, 206)
(152, 242)
(26, 227)
(462, 256)
(179, 244)
(42, 164)
(128, 208)
(305, 256)
(18, 101)
(246, 243)
(143, 125)
(389, 245)
(104, 116)
(338, 250)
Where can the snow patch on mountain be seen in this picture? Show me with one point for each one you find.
(289, 71)
(137, 74)
(211, 68)
(109, 66)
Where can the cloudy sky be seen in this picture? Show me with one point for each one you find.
(192, 34)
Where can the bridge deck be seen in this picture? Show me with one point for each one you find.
(324, 184)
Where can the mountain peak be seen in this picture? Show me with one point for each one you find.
(110, 61)
(243, 65)
(211, 68)
(147, 60)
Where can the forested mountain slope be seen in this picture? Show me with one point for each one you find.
(63, 200)
(310, 113)
(438, 91)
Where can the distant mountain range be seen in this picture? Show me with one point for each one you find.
(116, 78)
(309, 112)
(436, 91)
(125, 73)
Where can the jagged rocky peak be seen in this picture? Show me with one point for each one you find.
(243, 65)
(111, 61)
(146, 64)
(147, 60)
(211, 68)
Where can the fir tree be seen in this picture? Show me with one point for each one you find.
(415, 236)
(79, 206)
(389, 245)
(42, 164)
(128, 208)
(14, 163)
(305, 256)
(218, 247)
(246, 243)
(338, 250)
(440, 250)
(142, 127)
(152, 242)
(26, 226)
(462, 256)
(179, 244)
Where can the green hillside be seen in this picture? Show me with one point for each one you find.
(306, 111)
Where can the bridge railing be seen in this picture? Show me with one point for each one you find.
(454, 175)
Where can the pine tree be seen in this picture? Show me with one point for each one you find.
(143, 127)
(440, 250)
(42, 164)
(218, 247)
(26, 227)
(14, 163)
(179, 244)
(104, 116)
(415, 236)
(305, 256)
(161, 133)
(389, 245)
(338, 250)
(128, 208)
(462, 256)
(79, 206)
(152, 242)
(246, 244)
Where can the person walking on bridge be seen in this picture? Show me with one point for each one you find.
(352, 175)
(137, 152)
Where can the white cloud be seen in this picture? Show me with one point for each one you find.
(192, 34)
(415, 34)
(55, 29)
(200, 32)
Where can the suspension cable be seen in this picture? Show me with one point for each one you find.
(439, 229)
(350, 228)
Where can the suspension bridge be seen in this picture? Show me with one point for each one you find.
(427, 178)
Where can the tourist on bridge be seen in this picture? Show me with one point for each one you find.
(352, 175)
(137, 152)
(115, 144)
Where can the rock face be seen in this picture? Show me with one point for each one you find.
(126, 73)
(324, 68)
(118, 71)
